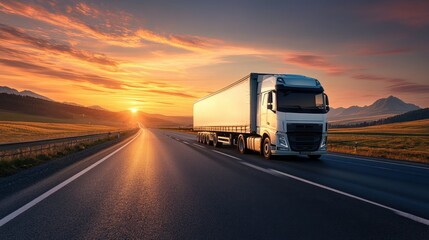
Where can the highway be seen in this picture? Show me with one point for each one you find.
(161, 184)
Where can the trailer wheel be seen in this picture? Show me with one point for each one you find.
(216, 143)
(207, 139)
(266, 148)
(241, 144)
(198, 137)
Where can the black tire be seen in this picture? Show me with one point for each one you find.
(207, 139)
(216, 143)
(241, 144)
(198, 137)
(266, 148)
(314, 157)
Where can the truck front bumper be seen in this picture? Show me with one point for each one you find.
(292, 153)
(283, 146)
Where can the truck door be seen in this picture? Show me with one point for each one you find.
(263, 115)
(271, 108)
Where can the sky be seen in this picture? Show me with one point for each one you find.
(160, 56)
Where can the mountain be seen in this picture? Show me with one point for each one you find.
(97, 107)
(8, 90)
(415, 115)
(74, 104)
(14, 107)
(382, 108)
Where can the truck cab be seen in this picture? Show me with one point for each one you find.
(292, 115)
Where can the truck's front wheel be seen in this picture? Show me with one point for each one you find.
(267, 148)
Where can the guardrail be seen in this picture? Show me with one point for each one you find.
(17, 150)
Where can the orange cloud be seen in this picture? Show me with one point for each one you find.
(314, 62)
(13, 34)
(379, 50)
(111, 27)
(177, 94)
(117, 34)
(62, 73)
(396, 85)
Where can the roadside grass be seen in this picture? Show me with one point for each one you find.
(13, 166)
(410, 148)
(30, 131)
(418, 127)
(12, 116)
(77, 119)
(402, 141)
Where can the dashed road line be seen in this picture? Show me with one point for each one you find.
(198, 145)
(48, 193)
(227, 155)
(396, 211)
(279, 173)
(265, 170)
(381, 162)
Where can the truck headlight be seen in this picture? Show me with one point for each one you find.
(323, 143)
(282, 142)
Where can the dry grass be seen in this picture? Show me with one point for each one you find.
(402, 141)
(411, 148)
(29, 131)
(419, 127)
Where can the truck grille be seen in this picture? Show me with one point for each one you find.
(304, 137)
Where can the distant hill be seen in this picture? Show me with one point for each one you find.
(382, 108)
(8, 90)
(14, 107)
(80, 105)
(97, 107)
(420, 114)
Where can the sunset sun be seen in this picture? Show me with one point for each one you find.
(133, 110)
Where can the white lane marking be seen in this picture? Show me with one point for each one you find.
(369, 160)
(227, 155)
(198, 145)
(265, 170)
(185, 142)
(364, 165)
(399, 212)
(40, 198)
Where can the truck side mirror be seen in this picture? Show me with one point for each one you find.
(270, 104)
(326, 102)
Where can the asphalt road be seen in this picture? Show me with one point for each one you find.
(164, 185)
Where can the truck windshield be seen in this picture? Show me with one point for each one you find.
(300, 101)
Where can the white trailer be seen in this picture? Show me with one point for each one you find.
(274, 114)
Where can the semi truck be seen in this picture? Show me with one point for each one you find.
(273, 114)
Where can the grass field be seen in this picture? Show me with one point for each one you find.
(419, 127)
(402, 141)
(28, 131)
(78, 119)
